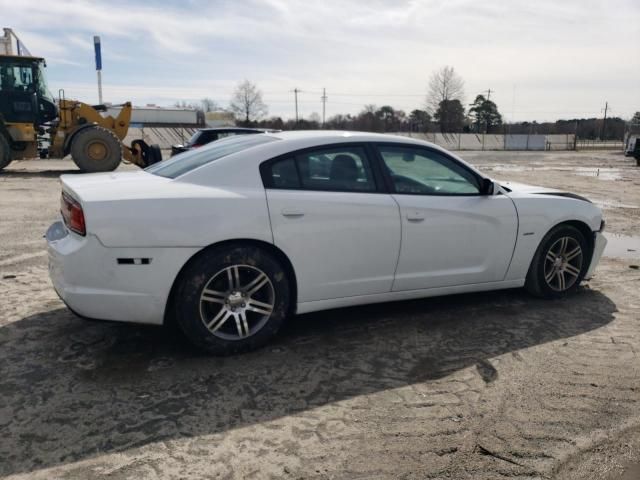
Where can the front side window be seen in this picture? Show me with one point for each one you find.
(426, 172)
(345, 169)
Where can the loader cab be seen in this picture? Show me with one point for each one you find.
(24, 95)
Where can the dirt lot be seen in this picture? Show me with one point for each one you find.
(481, 386)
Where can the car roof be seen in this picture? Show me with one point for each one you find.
(285, 142)
(296, 139)
(326, 136)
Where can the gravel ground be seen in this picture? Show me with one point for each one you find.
(480, 386)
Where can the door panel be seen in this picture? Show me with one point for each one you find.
(452, 234)
(340, 243)
(454, 240)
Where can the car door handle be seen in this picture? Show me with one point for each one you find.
(415, 216)
(292, 212)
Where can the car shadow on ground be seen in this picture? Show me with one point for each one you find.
(72, 389)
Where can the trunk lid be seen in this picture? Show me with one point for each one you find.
(96, 187)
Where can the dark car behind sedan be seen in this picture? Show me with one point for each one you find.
(208, 135)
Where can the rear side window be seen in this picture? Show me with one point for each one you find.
(185, 162)
(284, 174)
(343, 169)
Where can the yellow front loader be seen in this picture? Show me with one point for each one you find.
(29, 114)
(94, 141)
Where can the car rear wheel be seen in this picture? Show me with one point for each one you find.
(232, 300)
(559, 264)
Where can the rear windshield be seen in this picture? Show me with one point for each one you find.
(187, 161)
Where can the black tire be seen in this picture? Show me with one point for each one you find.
(550, 263)
(5, 152)
(96, 149)
(225, 334)
(143, 149)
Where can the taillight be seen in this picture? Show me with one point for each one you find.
(72, 214)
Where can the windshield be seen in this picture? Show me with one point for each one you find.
(41, 85)
(187, 161)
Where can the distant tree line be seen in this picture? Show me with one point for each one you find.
(443, 111)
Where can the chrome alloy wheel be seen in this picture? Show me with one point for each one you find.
(563, 264)
(236, 302)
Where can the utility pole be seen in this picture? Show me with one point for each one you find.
(324, 104)
(295, 93)
(604, 122)
(486, 121)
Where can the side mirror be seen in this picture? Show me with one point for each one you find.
(487, 187)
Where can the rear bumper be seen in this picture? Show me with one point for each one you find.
(599, 242)
(88, 278)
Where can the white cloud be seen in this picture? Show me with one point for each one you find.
(562, 57)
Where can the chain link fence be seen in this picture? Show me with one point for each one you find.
(479, 141)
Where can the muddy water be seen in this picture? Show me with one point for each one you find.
(601, 173)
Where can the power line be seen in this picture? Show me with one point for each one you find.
(379, 94)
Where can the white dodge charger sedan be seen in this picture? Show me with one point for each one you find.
(232, 238)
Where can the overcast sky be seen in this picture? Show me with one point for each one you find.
(543, 59)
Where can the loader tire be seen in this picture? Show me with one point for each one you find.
(5, 152)
(96, 149)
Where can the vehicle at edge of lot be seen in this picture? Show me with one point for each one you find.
(203, 136)
(231, 239)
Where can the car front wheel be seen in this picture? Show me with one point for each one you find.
(559, 264)
(232, 300)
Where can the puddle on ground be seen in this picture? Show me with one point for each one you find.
(622, 246)
(600, 173)
(608, 204)
(603, 173)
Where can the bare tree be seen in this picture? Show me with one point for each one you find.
(247, 102)
(208, 105)
(315, 117)
(370, 108)
(445, 84)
